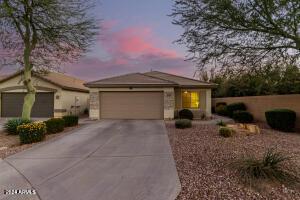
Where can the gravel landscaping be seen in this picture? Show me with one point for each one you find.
(203, 161)
(10, 144)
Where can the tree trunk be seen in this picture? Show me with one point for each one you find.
(29, 98)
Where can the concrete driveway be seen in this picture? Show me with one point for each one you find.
(107, 160)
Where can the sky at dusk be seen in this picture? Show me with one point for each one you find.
(136, 36)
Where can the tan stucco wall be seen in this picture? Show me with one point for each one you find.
(169, 100)
(205, 99)
(257, 105)
(61, 103)
(68, 102)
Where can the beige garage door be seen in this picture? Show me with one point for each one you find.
(131, 105)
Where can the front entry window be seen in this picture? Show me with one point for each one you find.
(190, 99)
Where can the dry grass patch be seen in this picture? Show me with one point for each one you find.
(203, 159)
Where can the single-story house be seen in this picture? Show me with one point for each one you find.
(57, 95)
(150, 95)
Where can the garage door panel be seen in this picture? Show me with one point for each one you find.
(12, 104)
(131, 105)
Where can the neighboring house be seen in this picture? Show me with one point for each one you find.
(57, 95)
(151, 95)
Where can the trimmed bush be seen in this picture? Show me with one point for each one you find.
(231, 108)
(183, 123)
(281, 119)
(242, 116)
(226, 132)
(222, 110)
(213, 109)
(32, 132)
(221, 123)
(186, 114)
(86, 111)
(70, 120)
(221, 104)
(55, 125)
(12, 124)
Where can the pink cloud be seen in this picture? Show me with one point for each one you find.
(131, 49)
(134, 41)
(92, 68)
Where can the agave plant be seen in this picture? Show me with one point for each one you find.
(272, 166)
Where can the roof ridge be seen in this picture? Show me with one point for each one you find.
(19, 72)
(11, 76)
(159, 78)
(104, 79)
(67, 75)
(181, 77)
(58, 84)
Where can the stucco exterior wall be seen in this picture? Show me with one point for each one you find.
(169, 100)
(258, 105)
(74, 102)
(205, 100)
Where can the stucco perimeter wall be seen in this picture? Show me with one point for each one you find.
(169, 99)
(257, 105)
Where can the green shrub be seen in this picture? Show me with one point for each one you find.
(32, 132)
(213, 109)
(12, 124)
(221, 123)
(226, 132)
(70, 120)
(221, 104)
(186, 114)
(183, 123)
(231, 108)
(86, 111)
(55, 125)
(281, 119)
(242, 116)
(222, 110)
(270, 166)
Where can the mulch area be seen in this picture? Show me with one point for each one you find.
(10, 144)
(204, 162)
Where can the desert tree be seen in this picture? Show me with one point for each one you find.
(239, 34)
(40, 35)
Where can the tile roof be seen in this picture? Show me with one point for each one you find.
(148, 79)
(127, 80)
(3, 76)
(61, 80)
(180, 80)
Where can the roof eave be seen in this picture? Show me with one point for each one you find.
(197, 86)
(75, 89)
(129, 85)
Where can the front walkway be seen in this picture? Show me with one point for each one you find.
(108, 160)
